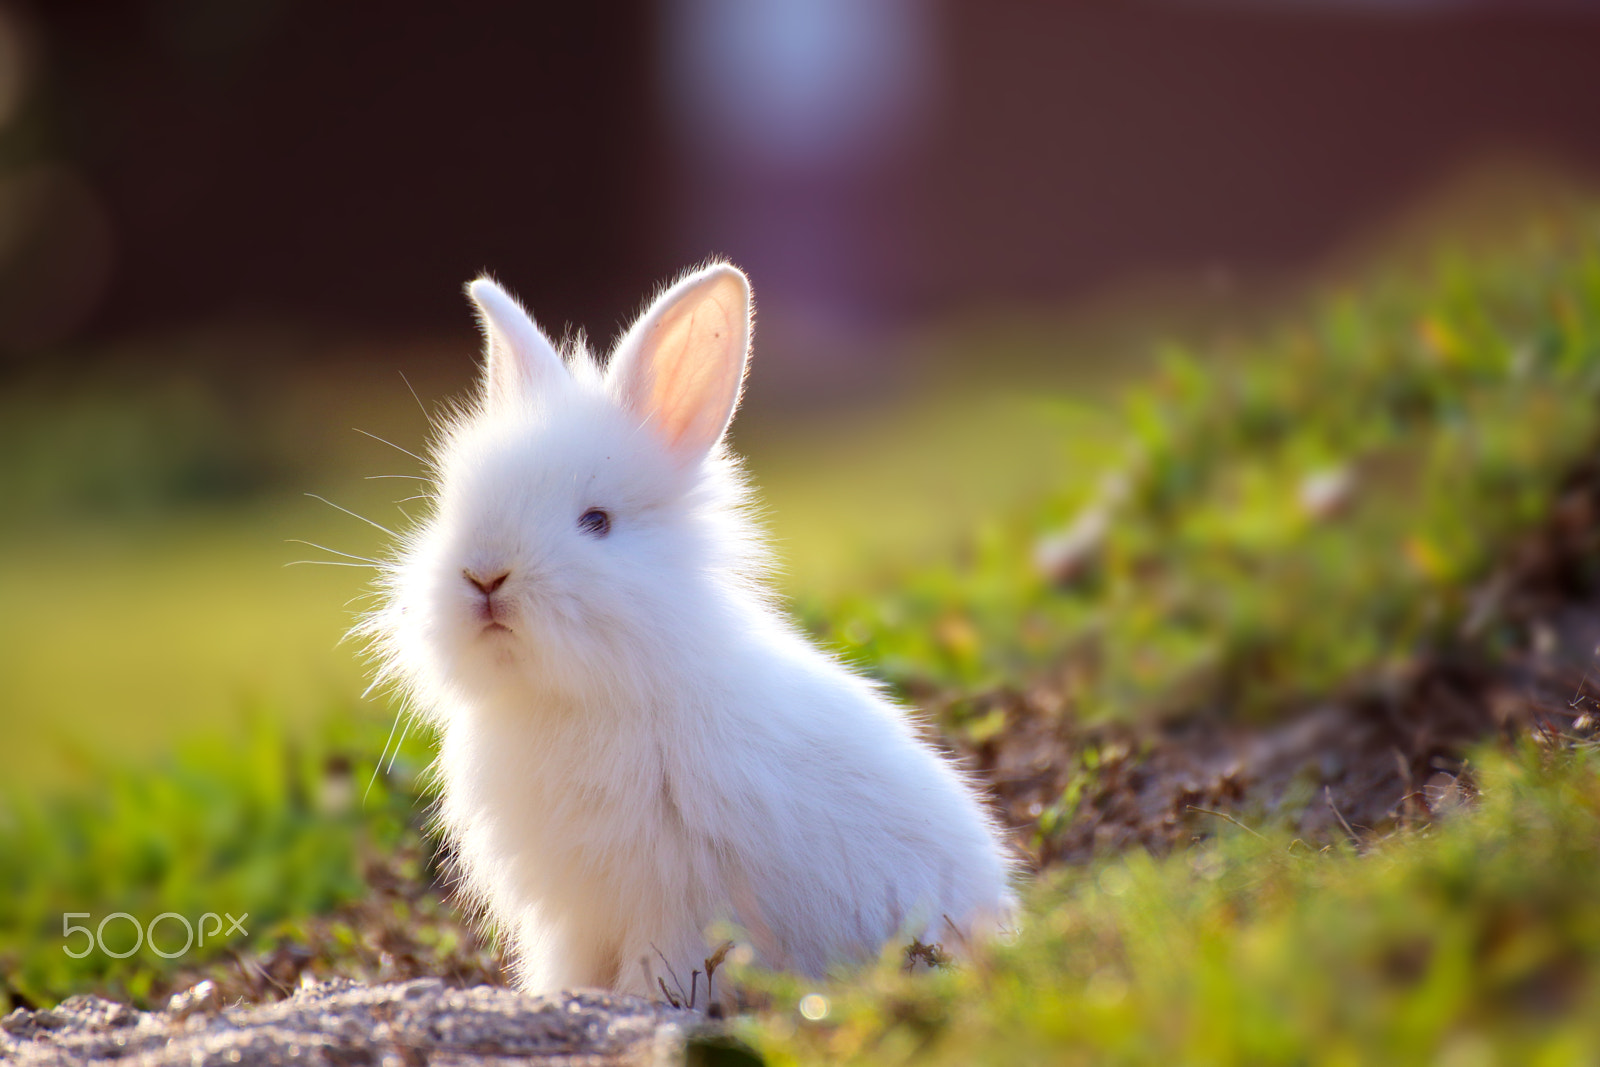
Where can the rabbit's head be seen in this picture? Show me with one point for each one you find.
(583, 519)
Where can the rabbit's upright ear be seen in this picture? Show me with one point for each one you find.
(519, 362)
(681, 367)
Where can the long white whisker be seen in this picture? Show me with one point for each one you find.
(404, 730)
(426, 417)
(377, 767)
(331, 563)
(391, 444)
(352, 514)
(325, 548)
(408, 477)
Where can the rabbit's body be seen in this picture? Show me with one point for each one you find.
(635, 744)
(823, 835)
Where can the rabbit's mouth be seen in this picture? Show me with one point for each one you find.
(497, 627)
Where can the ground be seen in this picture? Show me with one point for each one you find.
(1289, 711)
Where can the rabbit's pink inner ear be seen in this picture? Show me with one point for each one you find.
(686, 375)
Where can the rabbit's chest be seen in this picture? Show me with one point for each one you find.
(545, 792)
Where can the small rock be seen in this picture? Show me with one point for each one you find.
(1328, 493)
(1069, 555)
(1444, 794)
(198, 998)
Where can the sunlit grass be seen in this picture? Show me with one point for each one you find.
(847, 500)
(118, 642)
(1449, 406)
(1472, 942)
(257, 822)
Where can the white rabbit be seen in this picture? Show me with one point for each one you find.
(635, 743)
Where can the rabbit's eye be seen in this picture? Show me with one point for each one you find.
(596, 522)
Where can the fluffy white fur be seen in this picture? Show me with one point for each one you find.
(635, 744)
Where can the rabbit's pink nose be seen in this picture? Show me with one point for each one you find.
(486, 585)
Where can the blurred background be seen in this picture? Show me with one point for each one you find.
(227, 229)
(179, 164)
(234, 236)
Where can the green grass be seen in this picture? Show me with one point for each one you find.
(116, 644)
(1474, 941)
(1451, 404)
(263, 826)
(1454, 403)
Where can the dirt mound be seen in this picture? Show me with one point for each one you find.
(1388, 751)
